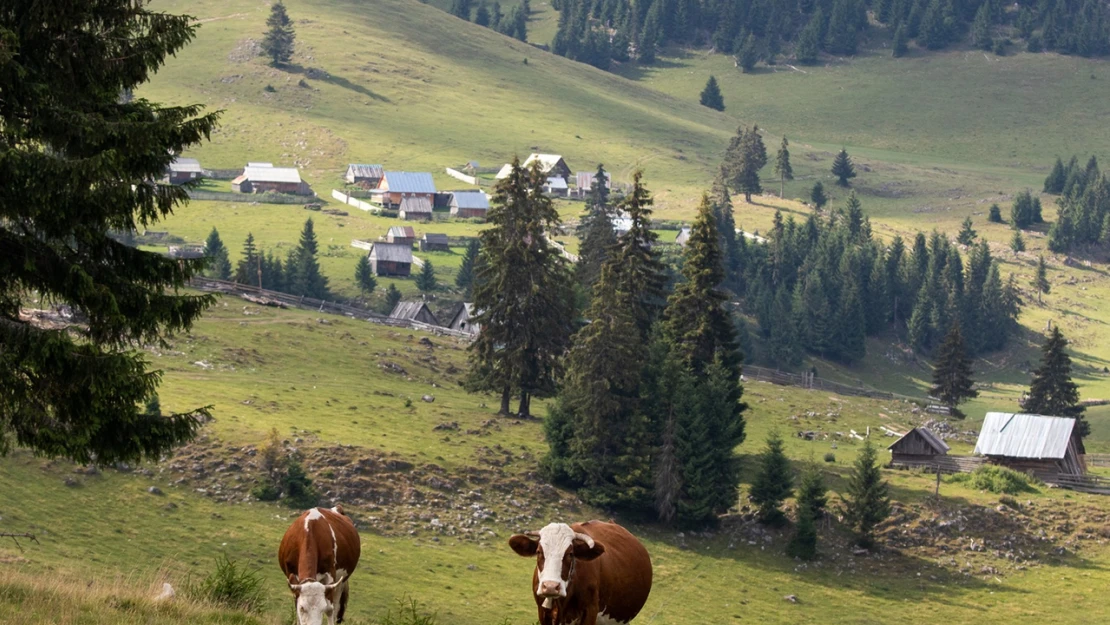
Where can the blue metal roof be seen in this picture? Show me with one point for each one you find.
(409, 182)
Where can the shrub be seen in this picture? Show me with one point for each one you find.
(266, 492)
(1009, 502)
(299, 492)
(229, 585)
(996, 479)
(409, 612)
(830, 457)
(269, 89)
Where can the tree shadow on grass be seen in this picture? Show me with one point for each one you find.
(318, 74)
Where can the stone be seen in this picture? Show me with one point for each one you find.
(154, 490)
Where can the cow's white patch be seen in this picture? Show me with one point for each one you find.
(313, 514)
(334, 547)
(555, 539)
(312, 606)
(603, 619)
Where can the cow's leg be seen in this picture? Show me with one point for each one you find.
(547, 617)
(343, 602)
(589, 615)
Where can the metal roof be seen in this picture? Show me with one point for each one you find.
(415, 204)
(929, 436)
(547, 161)
(556, 183)
(1024, 435)
(470, 199)
(683, 236)
(409, 182)
(585, 180)
(438, 239)
(272, 174)
(392, 252)
(365, 171)
(504, 172)
(259, 164)
(410, 310)
(183, 165)
(402, 232)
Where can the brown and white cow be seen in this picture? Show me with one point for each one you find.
(586, 573)
(318, 553)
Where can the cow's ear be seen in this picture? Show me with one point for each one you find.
(294, 583)
(524, 545)
(583, 551)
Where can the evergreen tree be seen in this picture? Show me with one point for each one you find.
(426, 279)
(900, 46)
(868, 501)
(745, 156)
(809, 42)
(278, 42)
(1040, 281)
(1054, 183)
(640, 271)
(77, 161)
(523, 293)
(711, 95)
(817, 195)
(364, 276)
(464, 279)
(748, 55)
(843, 169)
(782, 166)
(841, 36)
(303, 275)
(774, 482)
(952, 383)
(153, 406)
(482, 16)
(219, 266)
(811, 501)
(461, 9)
(1017, 243)
(967, 234)
(933, 33)
(803, 543)
(595, 232)
(995, 214)
(1052, 392)
(249, 266)
(392, 298)
(981, 28)
(1023, 212)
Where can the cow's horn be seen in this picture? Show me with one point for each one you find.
(532, 535)
(337, 582)
(584, 538)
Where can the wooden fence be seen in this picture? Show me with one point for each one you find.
(357, 203)
(808, 380)
(252, 198)
(458, 175)
(1098, 460)
(272, 298)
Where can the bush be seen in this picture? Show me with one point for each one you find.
(409, 612)
(269, 89)
(996, 479)
(830, 457)
(266, 492)
(299, 492)
(229, 585)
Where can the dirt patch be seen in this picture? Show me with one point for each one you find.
(244, 51)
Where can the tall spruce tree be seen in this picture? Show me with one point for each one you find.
(1052, 392)
(464, 279)
(900, 46)
(595, 232)
(640, 272)
(1054, 183)
(523, 293)
(77, 161)
(461, 9)
(364, 276)
(1017, 242)
(482, 15)
(981, 28)
(426, 279)
(811, 501)
(782, 166)
(967, 234)
(219, 265)
(711, 95)
(1040, 280)
(249, 268)
(748, 54)
(745, 156)
(952, 383)
(392, 298)
(994, 215)
(868, 499)
(303, 275)
(280, 37)
(773, 483)
(842, 168)
(817, 195)
(808, 45)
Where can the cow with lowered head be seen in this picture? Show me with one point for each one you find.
(586, 573)
(318, 554)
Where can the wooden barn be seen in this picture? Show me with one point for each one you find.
(415, 207)
(365, 176)
(401, 235)
(434, 243)
(182, 170)
(683, 236)
(463, 319)
(552, 165)
(390, 259)
(585, 182)
(265, 178)
(918, 447)
(399, 184)
(414, 311)
(469, 204)
(1029, 442)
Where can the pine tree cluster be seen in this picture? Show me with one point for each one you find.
(513, 24)
(824, 285)
(298, 274)
(1084, 201)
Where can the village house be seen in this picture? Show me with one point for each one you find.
(683, 236)
(434, 243)
(365, 176)
(552, 165)
(396, 185)
(1028, 442)
(414, 311)
(414, 208)
(182, 170)
(918, 447)
(265, 178)
(556, 186)
(584, 182)
(401, 235)
(463, 319)
(186, 251)
(390, 259)
(469, 204)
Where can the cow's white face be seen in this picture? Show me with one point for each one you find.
(315, 602)
(556, 547)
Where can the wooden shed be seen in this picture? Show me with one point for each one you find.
(414, 311)
(469, 204)
(265, 178)
(365, 176)
(414, 207)
(390, 259)
(917, 447)
(463, 319)
(1032, 443)
(401, 235)
(434, 243)
(182, 170)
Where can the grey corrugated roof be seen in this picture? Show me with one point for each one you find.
(929, 436)
(415, 204)
(272, 174)
(365, 171)
(556, 182)
(392, 252)
(1024, 435)
(471, 199)
(409, 310)
(409, 182)
(440, 239)
(402, 231)
(180, 164)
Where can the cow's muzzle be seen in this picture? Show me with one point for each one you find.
(551, 589)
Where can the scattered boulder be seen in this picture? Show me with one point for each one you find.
(428, 398)
(154, 490)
